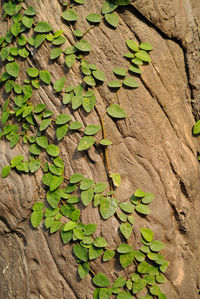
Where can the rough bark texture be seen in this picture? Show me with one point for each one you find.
(153, 149)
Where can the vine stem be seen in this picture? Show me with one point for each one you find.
(93, 273)
(88, 30)
(105, 150)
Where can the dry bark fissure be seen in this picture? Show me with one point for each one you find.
(153, 149)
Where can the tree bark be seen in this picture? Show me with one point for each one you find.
(153, 149)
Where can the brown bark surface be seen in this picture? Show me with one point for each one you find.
(153, 149)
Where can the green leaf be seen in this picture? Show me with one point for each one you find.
(90, 228)
(129, 55)
(36, 218)
(12, 69)
(160, 278)
(92, 129)
(70, 50)
(14, 140)
(94, 18)
(32, 72)
(42, 141)
(61, 131)
(108, 255)
(119, 282)
(44, 124)
(108, 207)
(80, 252)
(70, 15)
(124, 295)
(124, 248)
(121, 2)
(55, 226)
(142, 209)
(100, 242)
(135, 69)
(16, 160)
(116, 111)
(59, 84)
(112, 19)
(59, 41)
(101, 280)
(43, 27)
(78, 233)
(76, 101)
(15, 29)
(45, 77)
(129, 82)
(89, 80)
(9, 8)
(30, 11)
(108, 7)
(164, 266)
(120, 71)
(83, 269)
(53, 150)
(69, 60)
(149, 279)
(5, 171)
(126, 229)
(34, 165)
(139, 256)
(105, 142)
(114, 84)
(138, 286)
(85, 143)
(78, 33)
(99, 75)
(127, 207)
(76, 178)
(69, 226)
(34, 149)
(105, 293)
(139, 193)
(87, 196)
(86, 184)
(157, 246)
(161, 296)
(94, 252)
(27, 21)
(38, 206)
(88, 103)
(66, 236)
(100, 187)
(147, 198)
(144, 56)
(55, 53)
(67, 97)
(55, 182)
(83, 46)
(132, 45)
(196, 128)
(48, 222)
(27, 111)
(56, 170)
(155, 290)
(147, 234)
(75, 125)
(126, 259)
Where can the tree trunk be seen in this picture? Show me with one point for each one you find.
(153, 149)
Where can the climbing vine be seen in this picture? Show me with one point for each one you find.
(29, 124)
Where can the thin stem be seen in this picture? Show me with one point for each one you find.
(88, 30)
(105, 150)
(116, 95)
(93, 273)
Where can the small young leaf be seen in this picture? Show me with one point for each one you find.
(45, 77)
(120, 71)
(127, 207)
(101, 280)
(124, 248)
(94, 252)
(129, 82)
(80, 252)
(36, 218)
(147, 234)
(132, 45)
(30, 11)
(116, 111)
(69, 60)
(76, 178)
(70, 15)
(42, 141)
(92, 130)
(143, 55)
(43, 27)
(55, 53)
(32, 72)
(61, 131)
(108, 255)
(55, 182)
(83, 269)
(114, 84)
(16, 160)
(12, 69)
(108, 207)
(112, 19)
(105, 142)
(75, 125)
(116, 178)
(59, 41)
(126, 259)
(34, 165)
(56, 225)
(87, 196)
(90, 228)
(89, 80)
(135, 69)
(94, 18)
(5, 171)
(126, 229)
(59, 84)
(85, 143)
(53, 150)
(86, 184)
(44, 124)
(157, 246)
(108, 7)
(83, 46)
(100, 242)
(142, 209)
(99, 75)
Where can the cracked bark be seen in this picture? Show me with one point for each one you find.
(153, 149)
